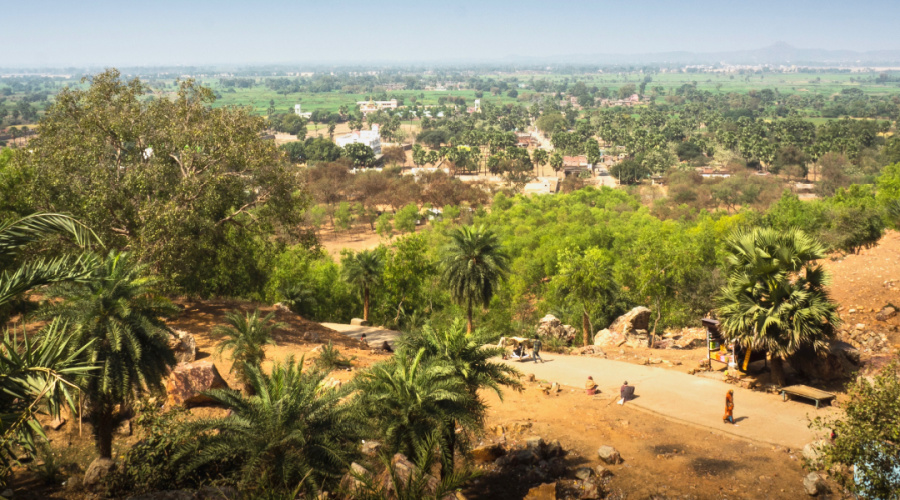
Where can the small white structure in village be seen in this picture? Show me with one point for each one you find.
(299, 112)
(370, 106)
(370, 138)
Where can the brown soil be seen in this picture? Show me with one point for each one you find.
(661, 457)
(867, 282)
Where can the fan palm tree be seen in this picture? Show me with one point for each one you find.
(246, 336)
(775, 296)
(364, 269)
(290, 434)
(474, 264)
(469, 359)
(412, 399)
(118, 313)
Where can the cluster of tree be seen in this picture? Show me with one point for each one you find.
(365, 194)
(289, 123)
(170, 179)
(106, 340)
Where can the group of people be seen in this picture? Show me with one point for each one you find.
(520, 351)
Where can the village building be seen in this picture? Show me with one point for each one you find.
(370, 138)
(299, 112)
(371, 106)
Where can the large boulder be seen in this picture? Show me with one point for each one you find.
(551, 326)
(99, 469)
(839, 362)
(188, 380)
(629, 328)
(183, 346)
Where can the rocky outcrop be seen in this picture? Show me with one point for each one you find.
(839, 362)
(183, 346)
(188, 380)
(629, 328)
(551, 326)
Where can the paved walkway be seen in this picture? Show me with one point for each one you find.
(686, 398)
(374, 335)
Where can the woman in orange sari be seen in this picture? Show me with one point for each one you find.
(729, 408)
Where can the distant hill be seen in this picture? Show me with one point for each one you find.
(779, 53)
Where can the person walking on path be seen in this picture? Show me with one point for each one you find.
(536, 350)
(729, 408)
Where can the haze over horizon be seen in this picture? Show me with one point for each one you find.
(200, 32)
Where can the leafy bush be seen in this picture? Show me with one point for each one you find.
(149, 464)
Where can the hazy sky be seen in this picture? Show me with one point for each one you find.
(163, 32)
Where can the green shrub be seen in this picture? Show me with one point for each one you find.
(330, 358)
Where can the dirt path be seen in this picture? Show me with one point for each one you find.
(686, 398)
(374, 335)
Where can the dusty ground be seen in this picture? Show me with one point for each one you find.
(660, 457)
(867, 282)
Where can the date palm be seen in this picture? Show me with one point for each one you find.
(290, 435)
(119, 314)
(469, 360)
(35, 372)
(410, 399)
(364, 269)
(775, 297)
(474, 264)
(246, 336)
(18, 277)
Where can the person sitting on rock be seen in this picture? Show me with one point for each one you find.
(363, 340)
(590, 386)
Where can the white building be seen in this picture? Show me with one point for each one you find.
(299, 112)
(371, 106)
(368, 137)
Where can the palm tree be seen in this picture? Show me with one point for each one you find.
(18, 277)
(399, 482)
(118, 313)
(469, 358)
(35, 373)
(474, 263)
(290, 435)
(246, 336)
(364, 269)
(775, 296)
(412, 400)
(540, 157)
